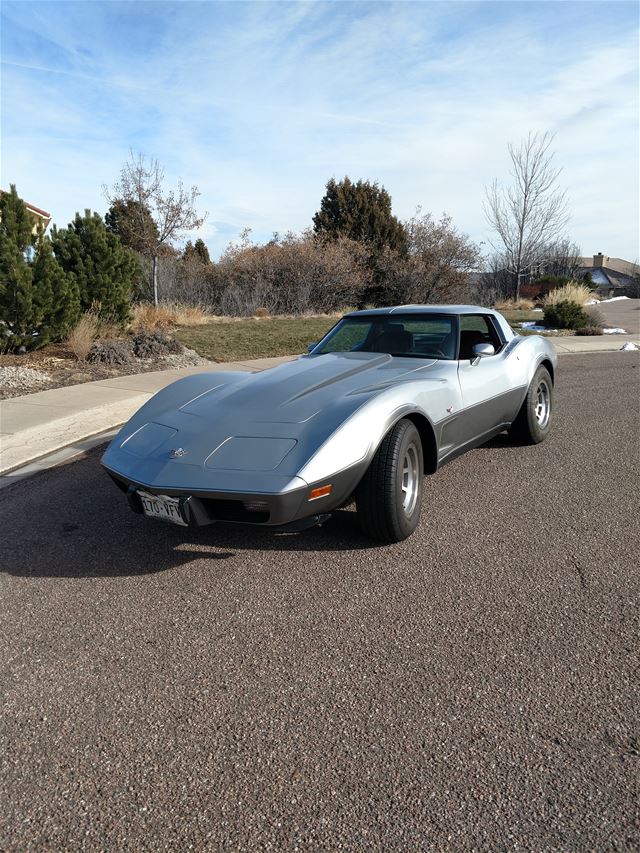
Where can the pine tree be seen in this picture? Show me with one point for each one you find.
(201, 251)
(361, 212)
(56, 302)
(197, 252)
(16, 304)
(107, 273)
(132, 222)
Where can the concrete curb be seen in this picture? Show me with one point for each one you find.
(58, 457)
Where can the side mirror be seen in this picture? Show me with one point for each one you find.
(482, 351)
(312, 346)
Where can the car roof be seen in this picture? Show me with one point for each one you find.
(421, 309)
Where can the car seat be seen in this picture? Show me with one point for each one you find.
(394, 339)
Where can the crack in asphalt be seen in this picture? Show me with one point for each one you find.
(584, 583)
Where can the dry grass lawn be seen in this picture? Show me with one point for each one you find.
(231, 340)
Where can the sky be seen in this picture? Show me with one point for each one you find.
(259, 104)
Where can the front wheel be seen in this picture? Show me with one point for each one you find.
(533, 422)
(389, 496)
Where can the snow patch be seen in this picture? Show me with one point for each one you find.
(629, 347)
(532, 326)
(615, 299)
(616, 331)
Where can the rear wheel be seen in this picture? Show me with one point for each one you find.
(389, 496)
(533, 422)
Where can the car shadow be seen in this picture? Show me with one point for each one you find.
(502, 440)
(72, 522)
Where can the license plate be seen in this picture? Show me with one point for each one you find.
(161, 506)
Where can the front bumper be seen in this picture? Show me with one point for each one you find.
(292, 508)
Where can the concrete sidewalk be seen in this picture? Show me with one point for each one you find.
(38, 424)
(600, 343)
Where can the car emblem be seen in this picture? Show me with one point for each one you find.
(177, 452)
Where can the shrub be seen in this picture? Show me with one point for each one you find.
(83, 334)
(513, 305)
(589, 330)
(565, 315)
(187, 315)
(572, 292)
(291, 275)
(154, 344)
(111, 353)
(150, 317)
(596, 317)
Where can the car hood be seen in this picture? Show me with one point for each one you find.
(297, 391)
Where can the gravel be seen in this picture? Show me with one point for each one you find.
(23, 377)
(186, 358)
(16, 381)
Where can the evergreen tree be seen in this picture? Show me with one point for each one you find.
(56, 302)
(16, 303)
(106, 272)
(132, 222)
(201, 251)
(189, 251)
(361, 212)
(197, 252)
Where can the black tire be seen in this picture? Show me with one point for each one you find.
(533, 422)
(385, 512)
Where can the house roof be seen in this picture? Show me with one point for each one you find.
(613, 265)
(37, 210)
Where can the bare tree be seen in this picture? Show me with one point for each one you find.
(437, 266)
(157, 217)
(530, 213)
(560, 258)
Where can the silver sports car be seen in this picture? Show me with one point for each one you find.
(387, 396)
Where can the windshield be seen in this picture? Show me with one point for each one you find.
(412, 336)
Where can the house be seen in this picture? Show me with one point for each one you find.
(611, 276)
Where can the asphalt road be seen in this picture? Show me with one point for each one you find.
(474, 688)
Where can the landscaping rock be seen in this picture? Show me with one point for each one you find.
(23, 378)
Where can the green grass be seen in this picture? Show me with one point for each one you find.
(515, 316)
(237, 340)
(243, 339)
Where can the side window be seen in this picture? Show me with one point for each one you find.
(476, 329)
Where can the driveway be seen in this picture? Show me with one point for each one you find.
(475, 687)
(623, 313)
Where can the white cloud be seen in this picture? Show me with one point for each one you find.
(260, 104)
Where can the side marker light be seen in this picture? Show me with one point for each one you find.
(320, 492)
